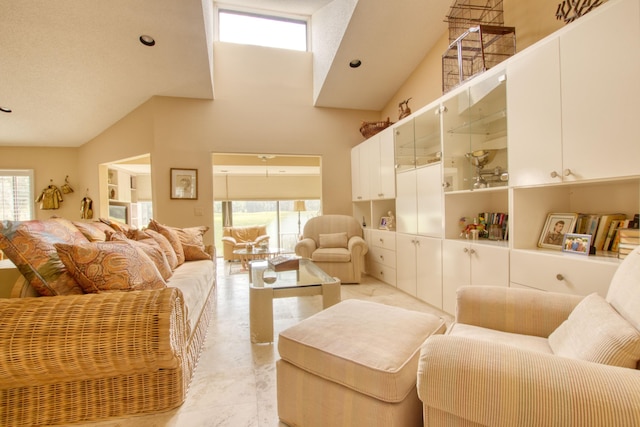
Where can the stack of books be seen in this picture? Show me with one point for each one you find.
(629, 239)
(284, 263)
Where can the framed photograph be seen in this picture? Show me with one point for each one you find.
(576, 243)
(184, 184)
(555, 227)
(384, 223)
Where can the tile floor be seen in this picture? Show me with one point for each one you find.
(234, 384)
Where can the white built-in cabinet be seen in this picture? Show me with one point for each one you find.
(381, 258)
(372, 168)
(560, 119)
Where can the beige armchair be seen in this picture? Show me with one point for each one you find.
(240, 237)
(517, 357)
(335, 244)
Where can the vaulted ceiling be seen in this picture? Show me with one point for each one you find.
(70, 68)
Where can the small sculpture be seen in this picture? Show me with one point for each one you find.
(404, 109)
(391, 221)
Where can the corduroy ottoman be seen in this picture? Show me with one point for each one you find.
(354, 364)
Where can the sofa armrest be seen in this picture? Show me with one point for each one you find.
(497, 384)
(519, 311)
(63, 338)
(305, 247)
(357, 246)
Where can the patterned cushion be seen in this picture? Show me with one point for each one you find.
(595, 332)
(192, 239)
(93, 231)
(333, 240)
(110, 266)
(172, 236)
(164, 244)
(150, 247)
(117, 225)
(30, 246)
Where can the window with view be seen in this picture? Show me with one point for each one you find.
(16, 195)
(262, 30)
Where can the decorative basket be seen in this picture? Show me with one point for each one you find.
(368, 129)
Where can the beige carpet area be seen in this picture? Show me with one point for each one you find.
(234, 384)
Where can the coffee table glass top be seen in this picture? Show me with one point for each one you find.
(257, 251)
(308, 274)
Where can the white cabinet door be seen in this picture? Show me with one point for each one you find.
(372, 168)
(600, 66)
(406, 203)
(534, 112)
(429, 270)
(465, 263)
(387, 186)
(356, 192)
(429, 200)
(406, 263)
(456, 271)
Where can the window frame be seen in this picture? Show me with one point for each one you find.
(30, 174)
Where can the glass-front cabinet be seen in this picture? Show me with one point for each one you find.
(475, 135)
(417, 141)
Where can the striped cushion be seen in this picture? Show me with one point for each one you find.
(595, 332)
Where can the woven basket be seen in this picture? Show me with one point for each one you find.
(368, 129)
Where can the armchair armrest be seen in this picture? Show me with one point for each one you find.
(305, 247)
(62, 338)
(228, 240)
(519, 311)
(264, 237)
(500, 385)
(357, 246)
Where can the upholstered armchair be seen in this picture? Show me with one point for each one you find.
(240, 237)
(518, 357)
(335, 244)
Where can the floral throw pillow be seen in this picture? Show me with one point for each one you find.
(110, 266)
(30, 246)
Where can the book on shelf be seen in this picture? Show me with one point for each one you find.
(629, 239)
(602, 230)
(587, 223)
(613, 228)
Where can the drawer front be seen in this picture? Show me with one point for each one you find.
(383, 273)
(383, 256)
(383, 239)
(572, 274)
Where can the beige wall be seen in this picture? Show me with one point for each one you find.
(49, 164)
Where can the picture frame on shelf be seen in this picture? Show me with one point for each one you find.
(384, 223)
(556, 226)
(576, 243)
(184, 184)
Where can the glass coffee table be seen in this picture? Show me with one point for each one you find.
(307, 280)
(257, 252)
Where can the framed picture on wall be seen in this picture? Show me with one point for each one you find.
(184, 184)
(555, 227)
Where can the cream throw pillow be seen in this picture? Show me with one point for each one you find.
(333, 240)
(596, 332)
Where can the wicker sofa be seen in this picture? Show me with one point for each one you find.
(90, 356)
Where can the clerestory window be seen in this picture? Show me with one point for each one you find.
(262, 30)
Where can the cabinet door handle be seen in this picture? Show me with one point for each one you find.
(446, 184)
(465, 250)
(560, 277)
(472, 251)
(554, 174)
(382, 257)
(380, 194)
(359, 197)
(381, 240)
(567, 172)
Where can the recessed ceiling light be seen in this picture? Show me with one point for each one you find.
(355, 63)
(5, 110)
(147, 40)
